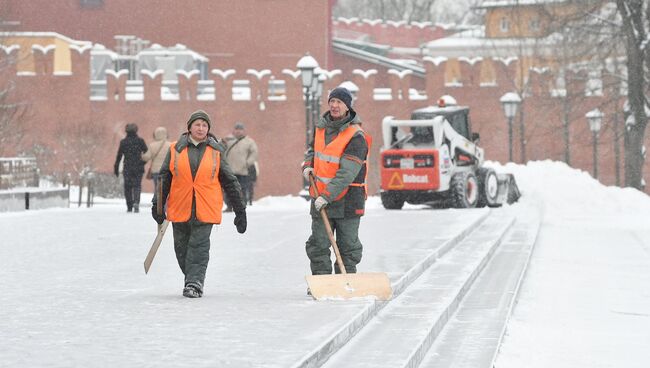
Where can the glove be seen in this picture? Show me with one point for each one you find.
(154, 213)
(240, 221)
(307, 171)
(117, 173)
(320, 202)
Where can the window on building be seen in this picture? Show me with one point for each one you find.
(504, 25)
(594, 85)
(91, 4)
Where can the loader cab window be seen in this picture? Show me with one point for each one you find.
(460, 123)
(422, 135)
(412, 137)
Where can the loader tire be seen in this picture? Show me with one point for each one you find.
(464, 190)
(392, 201)
(488, 185)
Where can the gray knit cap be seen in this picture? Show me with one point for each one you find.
(199, 114)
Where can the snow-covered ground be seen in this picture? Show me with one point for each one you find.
(585, 301)
(73, 292)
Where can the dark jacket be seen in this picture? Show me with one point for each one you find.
(351, 168)
(132, 147)
(229, 183)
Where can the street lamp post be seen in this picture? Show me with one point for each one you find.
(595, 119)
(307, 65)
(510, 101)
(318, 94)
(315, 98)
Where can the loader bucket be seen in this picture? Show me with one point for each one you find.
(508, 189)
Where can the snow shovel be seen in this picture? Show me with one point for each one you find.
(346, 285)
(161, 232)
(155, 245)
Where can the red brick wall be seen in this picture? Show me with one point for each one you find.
(396, 34)
(258, 34)
(62, 102)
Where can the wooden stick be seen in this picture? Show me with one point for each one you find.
(159, 199)
(328, 229)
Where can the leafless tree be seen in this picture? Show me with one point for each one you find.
(584, 44)
(612, 37)
(12, 110)
(79, 146)
(635, 25)
(12, 114)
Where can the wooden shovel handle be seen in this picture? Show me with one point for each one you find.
(328, 229)
(159, 199)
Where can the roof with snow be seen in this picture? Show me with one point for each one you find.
(473, 43)
(342, 47)
(511, 3)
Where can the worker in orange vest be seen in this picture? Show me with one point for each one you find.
(194, 176)
(337, 159)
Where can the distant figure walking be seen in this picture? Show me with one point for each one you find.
(241, 154)
(156, 154)
(253, 173)
(131, 148)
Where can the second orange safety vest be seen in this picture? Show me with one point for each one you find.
(205, 188)
(327, 158)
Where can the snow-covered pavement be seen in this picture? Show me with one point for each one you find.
(73, 291)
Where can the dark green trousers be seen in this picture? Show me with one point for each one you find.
(347, 238)
(192, 246)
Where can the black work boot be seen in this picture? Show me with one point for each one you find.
(192, 290)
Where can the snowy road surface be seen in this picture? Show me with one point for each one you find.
(73, 292)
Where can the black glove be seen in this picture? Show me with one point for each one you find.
(117, 173)
(154, 213)
(240, 221)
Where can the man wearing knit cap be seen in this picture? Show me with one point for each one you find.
(194, 177)
(336, 158)
(241, 156)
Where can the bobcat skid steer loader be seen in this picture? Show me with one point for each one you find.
(435, 159)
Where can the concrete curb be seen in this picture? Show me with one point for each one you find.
(421, 350)
(319, 355)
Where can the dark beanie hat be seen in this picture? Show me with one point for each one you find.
(199, 114)
(131, 128)
(342, 94)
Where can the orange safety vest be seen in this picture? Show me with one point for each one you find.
(205, 188)
(327, 159)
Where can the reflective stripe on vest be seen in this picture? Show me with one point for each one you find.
(327, 158)
(205, 188)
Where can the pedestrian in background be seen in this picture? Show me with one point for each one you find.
(131, 148)
(253, 174)
(156, 154)
(337, 159)
(241, 154)
(193, 177)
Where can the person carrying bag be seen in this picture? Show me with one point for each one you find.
(156, 154)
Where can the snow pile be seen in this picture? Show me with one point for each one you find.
(565, 190)
(584, 300)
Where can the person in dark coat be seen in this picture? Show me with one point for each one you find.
(131, 148)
